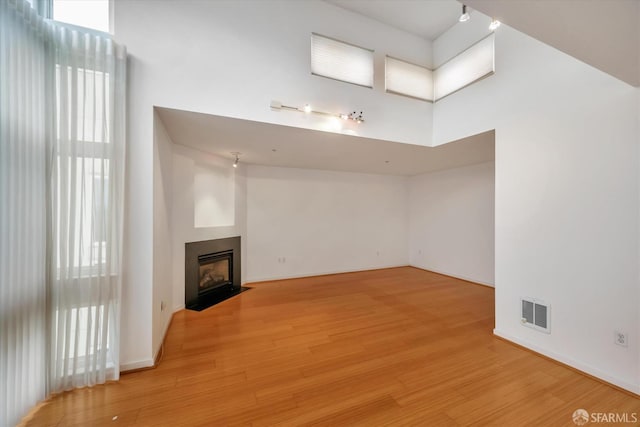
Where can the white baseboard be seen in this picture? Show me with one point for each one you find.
(622, 383)
(323, 273)
(457, 276)
(130, 366)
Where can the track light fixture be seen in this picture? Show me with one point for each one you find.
(494, 24)
(353, 116)
(465, 15)
(237, 158)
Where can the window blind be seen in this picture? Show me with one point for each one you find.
(467, 67)
(341, 61)
(408, 79)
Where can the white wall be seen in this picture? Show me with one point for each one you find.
(323, 222)
(316, 221)
(566, 197)
(214, 195)
(162, 226)
(451, 222)
(186, 164)
(232, 58)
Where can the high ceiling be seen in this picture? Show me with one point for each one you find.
(426, 18)
(276, 145)
(602, 33)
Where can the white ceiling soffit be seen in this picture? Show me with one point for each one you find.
(603, 34)
(424, 18)
(311, 149)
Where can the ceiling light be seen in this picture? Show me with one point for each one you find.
(237, 158)
(494, 24)
(307, 108)
(465, 16)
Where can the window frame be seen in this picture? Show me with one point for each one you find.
(45, 9)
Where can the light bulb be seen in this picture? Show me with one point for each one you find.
(237, 159)
(465, 16)
(494, 24)
(307, 108)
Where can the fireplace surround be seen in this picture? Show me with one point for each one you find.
(212, 272)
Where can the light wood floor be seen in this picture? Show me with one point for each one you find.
(389, 347)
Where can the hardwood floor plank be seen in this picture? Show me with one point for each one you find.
(398, 346)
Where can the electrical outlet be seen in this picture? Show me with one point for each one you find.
(621, 338)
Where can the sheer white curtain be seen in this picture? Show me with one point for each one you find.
(62, 136)
(23, 108)
(85, 216)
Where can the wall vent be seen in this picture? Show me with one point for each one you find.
(536, 314)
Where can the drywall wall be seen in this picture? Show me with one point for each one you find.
(566, 197)
(293, 222)
(137, 258)
(162, 228)
(232, 58)
(304, 222)
(214, 196)
(451, 222)
(187, 165)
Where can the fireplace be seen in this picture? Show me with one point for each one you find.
(212, 272)
(216, 270)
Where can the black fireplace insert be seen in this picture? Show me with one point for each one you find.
(215, 271)
(212, 272)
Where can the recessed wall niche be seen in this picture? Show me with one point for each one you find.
(213, 196)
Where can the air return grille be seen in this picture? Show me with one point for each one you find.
(535, 314)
